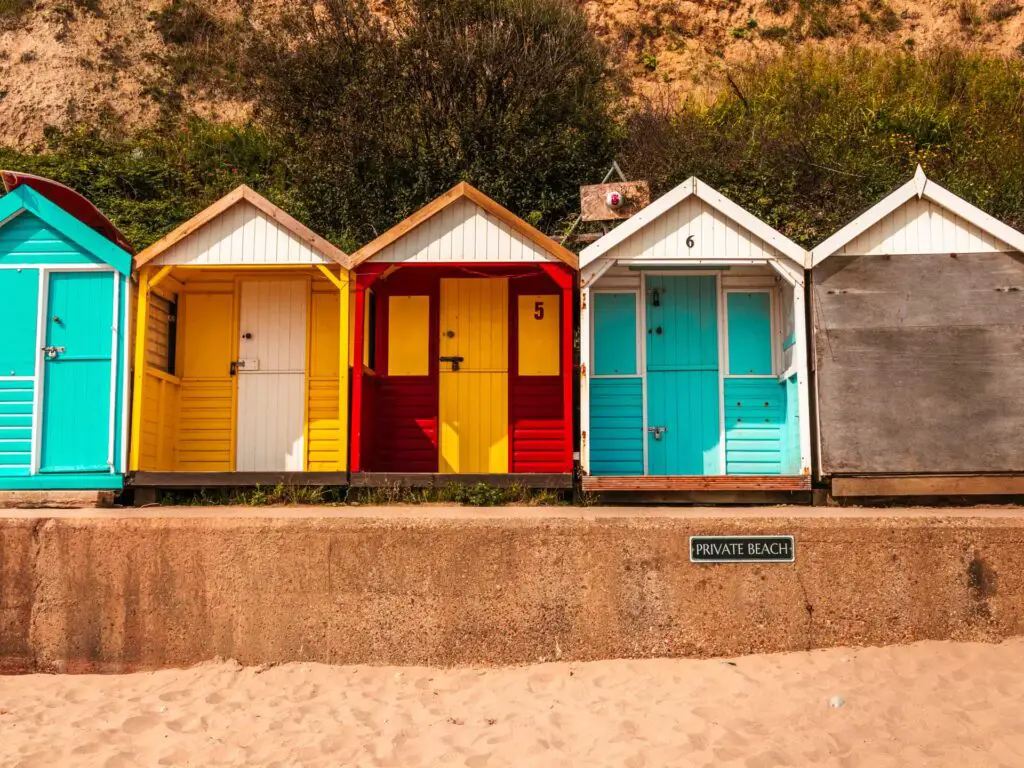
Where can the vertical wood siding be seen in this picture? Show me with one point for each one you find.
(463, 231)
(474, 400)
(923, 227)
(715, 236)
(241, 235)
(271, 399)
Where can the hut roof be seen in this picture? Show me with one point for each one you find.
(968, 222)
(695, 188)
(466, 192)
(25, 199)
(312, 241)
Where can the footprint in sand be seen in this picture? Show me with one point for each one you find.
(139, 724)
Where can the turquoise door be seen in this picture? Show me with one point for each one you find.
(77, 360)
(682, 376)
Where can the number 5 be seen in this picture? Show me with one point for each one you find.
(538, 310)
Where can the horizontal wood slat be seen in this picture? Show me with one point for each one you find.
(698, 483)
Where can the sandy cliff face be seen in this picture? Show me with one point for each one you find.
(96, 59)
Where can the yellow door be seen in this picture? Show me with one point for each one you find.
(205, 428)
(474, 376)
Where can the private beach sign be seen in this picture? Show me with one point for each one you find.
(742, 549)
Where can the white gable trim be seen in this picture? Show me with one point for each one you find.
(694, 187)
(922, 187)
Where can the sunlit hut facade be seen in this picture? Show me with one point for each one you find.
(466, 350)
(241, 357)
(63, 358)
(693, 352)
(918, 322)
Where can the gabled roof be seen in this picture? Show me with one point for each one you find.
(242, 192)
(694, 187)
(459, 191)
(26, 199)
(924, 188)
(71, 201)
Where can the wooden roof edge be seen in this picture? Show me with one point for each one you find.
(467, 190)
(215, 209)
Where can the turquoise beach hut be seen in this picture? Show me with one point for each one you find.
(63, 361)
(693, 351)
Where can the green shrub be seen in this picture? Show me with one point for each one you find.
(510, 95)
(819, 137)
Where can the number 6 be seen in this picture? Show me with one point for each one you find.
(689, 241)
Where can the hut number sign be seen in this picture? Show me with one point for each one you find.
(742, 549)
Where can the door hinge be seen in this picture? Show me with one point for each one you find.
(583, 370)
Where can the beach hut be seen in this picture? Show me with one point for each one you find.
(466, 349)
(63, 361)
(241, 352)
(918, 308)
(693, 352)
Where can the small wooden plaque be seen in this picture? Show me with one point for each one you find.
(636, 195)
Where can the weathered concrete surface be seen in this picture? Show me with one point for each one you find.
(116, 591)
(55, 499)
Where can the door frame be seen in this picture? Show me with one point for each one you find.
(42, 312)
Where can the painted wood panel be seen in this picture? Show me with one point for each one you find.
(755, 427)
(159, 329)
(615, 322)
(19, 348)
(714, 236)
(241, 235)
(15, 427)
(920, 363)
(616, 427)
(271, 396)
(325, 433)
(159, 430)
(749, 324)
(537, 431)
(26, 239)
(921, 226)
(206, 404)
(408, 335)
(462, 231)
(474, 400)
(538, 326)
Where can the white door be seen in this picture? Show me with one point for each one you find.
(272, 376)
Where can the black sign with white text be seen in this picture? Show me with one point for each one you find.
(742, 549)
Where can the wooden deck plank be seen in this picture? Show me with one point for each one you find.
(723, 483)
(434, 480)
(929, 485)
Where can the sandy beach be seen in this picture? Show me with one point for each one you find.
(932, 703)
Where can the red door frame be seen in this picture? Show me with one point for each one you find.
(367, 276)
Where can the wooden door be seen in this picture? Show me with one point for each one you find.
(474, 376)
(683, 436)
(78, 357)
(272, 376)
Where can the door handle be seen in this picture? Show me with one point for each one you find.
(657, 431)
(52, 352)
(454, 360)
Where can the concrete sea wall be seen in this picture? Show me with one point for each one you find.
(105, 591)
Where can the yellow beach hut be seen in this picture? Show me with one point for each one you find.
(241, 352)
